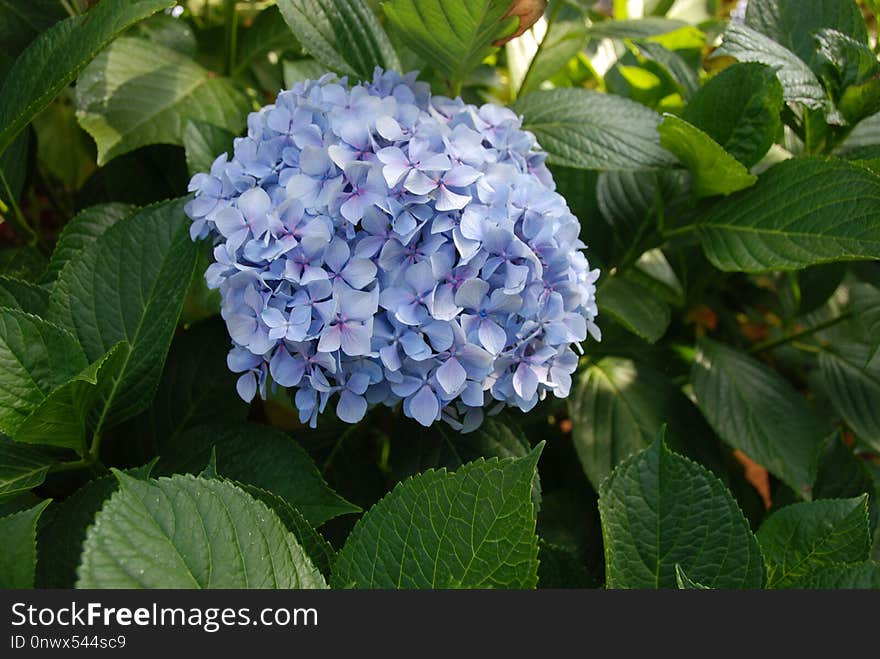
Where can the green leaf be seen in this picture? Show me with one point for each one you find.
(634, 28)
(713, 170)
(36, 357)
(865, 303)
(801, 212)
(21, 467)
(853, 385)
(62, 418)
(316, 547)
(268, 33)
(859, 576)
(849, 69)
(659, 511)
(60, 538)
(187, 532)
(344, 35)
(204, 142)
(561, 567)
(453, 36)
(22, 20)
(128, 285)
(564, 38)
(755, 410)
(590, 130)
(118, 103)
(739, 108)
(474, 528)
(634, 308)
(19, 294)
(197, 387)
(800, 538)
(793, 23)
(64, 150)
(799, 83)
(684, 582)
(679, 70)
(619, 406)
(168, 31)
(22, 262)
(55, 58)
(84, 229)
(262, 456)
(13, 168)
(18, 552)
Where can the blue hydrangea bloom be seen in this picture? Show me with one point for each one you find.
(377, 245)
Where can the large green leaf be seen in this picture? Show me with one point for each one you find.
(453, 36)
(853, 385)
(22, 20)
(81, 231)
(713, 170)
(619, 407)
(739, 108)
(60, 537)
(18, 551)
(257, 455)
(316, 547)
(801, 212)
(196, 388)
(137, 93)
(865, 303)
(591, 130)
(474, 528)
(864, 576)
(21, 467)
(632, 305)
(23, 295)
(800, 538)
(799, 83)
(36, 357)
(55, 58)
(635, 28)
(755, 410)
(62, 418)
(128, 285)
(660, 511)
(204, 142)
(344, 35)
(188, 532)
(794, 23)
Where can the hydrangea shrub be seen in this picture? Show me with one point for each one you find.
(380, 245)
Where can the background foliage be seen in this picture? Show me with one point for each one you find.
(724, 434)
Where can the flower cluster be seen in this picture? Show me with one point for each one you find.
(387, 246)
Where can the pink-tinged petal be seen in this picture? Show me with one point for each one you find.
(388, 128)
(442, 306)
(492, 336)
(331, 339)
(461, 176)
(351, 408)
(450, 201)
(357, 305)
(355, 339)
(254, 204)
(228, 221)
(394, 297)
(525, 382)
(353, 209)
(451, 376)
(423, 407)
(419, 183)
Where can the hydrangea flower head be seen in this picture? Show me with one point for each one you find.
(377, 245)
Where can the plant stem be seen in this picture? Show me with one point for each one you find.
(231, 34)
(18, 220)
(775, 343)
(680, 231)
